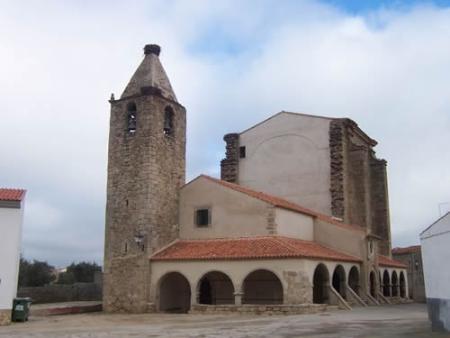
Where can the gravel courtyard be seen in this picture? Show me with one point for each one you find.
(409, 320)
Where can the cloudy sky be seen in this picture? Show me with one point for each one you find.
(385, 64)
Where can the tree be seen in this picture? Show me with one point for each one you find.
(82, 272)
(36, 273)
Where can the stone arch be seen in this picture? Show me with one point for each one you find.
(353, 279)
(131, 117)
(215, 287)
(386, 284)
(168, 121)
(321, 282)
(373, 284)
(338, 281)
(394, 282)
(402, 285)
(380, 282)
(262, 287)
(174, 293)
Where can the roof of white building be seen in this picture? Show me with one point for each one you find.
(441, 225)
(12, 194)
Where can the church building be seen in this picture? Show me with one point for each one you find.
(299, 219)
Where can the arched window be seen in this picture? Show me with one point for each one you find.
(168, 121)
(131, 118)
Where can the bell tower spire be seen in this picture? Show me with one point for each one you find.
(146, 169)
(150, 76)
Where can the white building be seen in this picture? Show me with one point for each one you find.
(11, 216)
(436, 257)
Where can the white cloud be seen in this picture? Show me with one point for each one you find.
(59, 62)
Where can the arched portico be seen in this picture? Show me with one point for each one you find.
(373, 284)
(321, 282)
(402, 285)
(215, 287)
(174, 293)
(394, 284)
(338, 280)
(262, 287)
(386, 284)
(353, 279)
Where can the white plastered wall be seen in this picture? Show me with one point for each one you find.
(233, 214)
(10, 241)
(288, 156)
(293, 224)
(436, 257)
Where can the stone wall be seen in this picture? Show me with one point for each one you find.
(267, 310)
(298, 287)
(358, 181)
(229, 166)
(5, 317)
(56, 293)
(416, 283)
(380, 204)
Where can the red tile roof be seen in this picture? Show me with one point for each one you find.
(386, 261)
(407, 250)
(249, 248)
(282, 203)
(12, 194)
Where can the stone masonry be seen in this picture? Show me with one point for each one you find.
(358, 181)
(230, 164)
(146, 169)
(5, 317)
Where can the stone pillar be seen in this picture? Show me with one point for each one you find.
(336, 136)
(195, 296)
(238, 298)
(229, 166)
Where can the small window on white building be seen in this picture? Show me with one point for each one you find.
(242, 152)
(203, 217)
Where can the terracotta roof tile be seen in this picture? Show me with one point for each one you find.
(386, 261)
(249, 248)
(282, 203)
(407, 250)
(12, 194)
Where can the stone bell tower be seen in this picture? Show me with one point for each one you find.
(146, 169)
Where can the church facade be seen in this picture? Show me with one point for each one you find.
(300, 215)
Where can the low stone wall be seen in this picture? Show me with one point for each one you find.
(56, 293)
(5, 317)
(281, 309)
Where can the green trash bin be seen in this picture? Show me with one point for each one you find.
(21, 309)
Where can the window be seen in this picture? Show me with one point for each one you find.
(168, 121)
(131, 118)
(242, 152)
(202, 217)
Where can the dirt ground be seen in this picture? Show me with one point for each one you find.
(409, 320)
